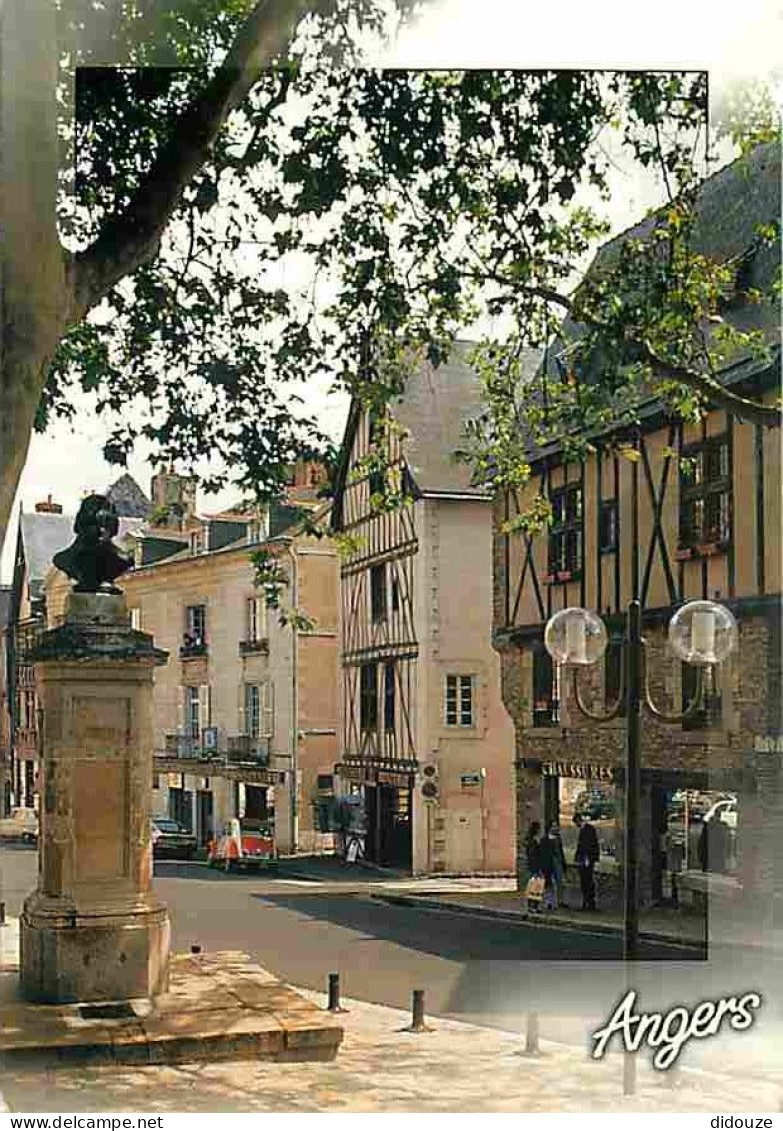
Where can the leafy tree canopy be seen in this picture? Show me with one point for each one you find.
(346, 220)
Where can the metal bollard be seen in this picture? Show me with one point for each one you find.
(334, 995)
(629, 1074)
(417, 1024)
(195, 949)
(531, 1034)
(2, 914)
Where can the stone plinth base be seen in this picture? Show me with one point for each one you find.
(219, 1007)
(92, 957)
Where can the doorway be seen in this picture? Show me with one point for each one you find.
(389, 840)
(205, 823)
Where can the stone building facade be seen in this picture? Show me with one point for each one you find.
(246, 709)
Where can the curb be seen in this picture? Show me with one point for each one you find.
(529, 920)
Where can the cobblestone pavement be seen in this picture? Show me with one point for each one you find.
(381, 1068)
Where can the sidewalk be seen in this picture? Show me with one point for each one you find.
(659, 924)
(662, 925)
(381, 1068)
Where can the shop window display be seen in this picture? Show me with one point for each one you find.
(701, 831)
(598, 801)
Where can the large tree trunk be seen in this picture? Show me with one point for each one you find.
(33, 290)
(41, 289)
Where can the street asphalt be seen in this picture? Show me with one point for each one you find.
(472, 968)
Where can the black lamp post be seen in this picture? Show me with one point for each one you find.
(701, 633)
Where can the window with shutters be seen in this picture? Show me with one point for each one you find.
(192, 713)
(368, 697)
(252, 709)
(251, 619)
(460, 706)
(546, 689)
(194, 642)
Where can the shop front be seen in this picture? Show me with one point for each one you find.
(387, 811)
(691, 827)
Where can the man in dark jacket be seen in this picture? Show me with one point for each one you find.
(586, 858)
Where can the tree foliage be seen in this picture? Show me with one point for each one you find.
(347, 222)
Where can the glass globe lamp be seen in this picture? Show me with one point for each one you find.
(575, 636)
(703, 633)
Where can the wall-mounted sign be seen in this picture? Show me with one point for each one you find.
(587, 771)
(468, 780)
(389, 777)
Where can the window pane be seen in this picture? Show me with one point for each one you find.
(388, 697)
(378, 592)
(451, 700)
(368, 697)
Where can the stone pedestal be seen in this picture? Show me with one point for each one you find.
(93, 931)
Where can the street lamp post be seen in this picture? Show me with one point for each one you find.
(701, 633)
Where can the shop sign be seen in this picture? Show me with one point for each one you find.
(588, 771)
(385, 777)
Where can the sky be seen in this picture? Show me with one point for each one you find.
(730, 40)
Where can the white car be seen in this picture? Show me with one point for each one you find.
(725, 810)
(21, 825)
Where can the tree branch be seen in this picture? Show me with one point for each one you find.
(132, 238)
(749, 410)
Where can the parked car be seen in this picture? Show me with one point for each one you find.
(595, 804)
(170, 838)
(21, 825)
(243, 845)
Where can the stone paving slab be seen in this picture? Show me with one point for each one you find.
(457, 1067)
(220, 1006)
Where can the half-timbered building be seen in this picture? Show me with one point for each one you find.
(667, 513)
(425, 739)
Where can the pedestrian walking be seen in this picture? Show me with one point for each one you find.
(587, 855)
(533, 848)
(553, 864)
(535, 886)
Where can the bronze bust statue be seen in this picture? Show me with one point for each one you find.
(92, 559)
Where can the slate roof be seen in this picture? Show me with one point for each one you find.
(128, 498)
(5, 607)
(731, 203)
(435, 406)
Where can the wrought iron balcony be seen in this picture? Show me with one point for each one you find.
(248, 748)
(261, 646)
(192, 646)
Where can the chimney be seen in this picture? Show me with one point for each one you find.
(48, 507)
